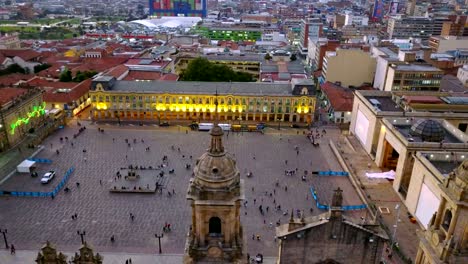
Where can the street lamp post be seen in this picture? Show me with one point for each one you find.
(159, 117)
(279, 123)
(81, 234)
(397, 208)
(4, 232)
(159, 239)
(116, 113)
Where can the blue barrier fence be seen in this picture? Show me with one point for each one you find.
(42, 194)
(326, 207)
(40, 160)
(331, 173)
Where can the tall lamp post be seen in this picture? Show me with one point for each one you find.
(279, 123)
(81, 234)
(4, 232)
(159, 239)
(397, 208)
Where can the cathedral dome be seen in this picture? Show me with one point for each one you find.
(428, 130)
(216, 168)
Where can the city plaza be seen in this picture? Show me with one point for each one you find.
(97, 156)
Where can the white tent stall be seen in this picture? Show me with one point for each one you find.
(26, 166)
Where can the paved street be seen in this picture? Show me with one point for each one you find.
(32, 221)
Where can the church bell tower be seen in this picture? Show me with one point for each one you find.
(446, 239)
(215, 194)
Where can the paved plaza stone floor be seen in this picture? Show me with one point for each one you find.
(101, 214)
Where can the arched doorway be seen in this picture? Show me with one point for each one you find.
(447, 220)
(215, 226)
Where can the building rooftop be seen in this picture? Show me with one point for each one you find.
(404, 127)
(390, 53)
(445, 162)
(238, 88)
(340, 98)
(9, 94)
(386, 103)
(450, 83)
(444, 167)
(415, 67)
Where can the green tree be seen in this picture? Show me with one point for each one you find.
(293, 57)
(13, 68)
(268, 56)
(41, 67)
(79, 76)
(203, 70)
(66, 76)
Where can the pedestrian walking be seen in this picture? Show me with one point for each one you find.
(12, 249)
(77, 184)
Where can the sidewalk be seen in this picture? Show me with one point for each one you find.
(378, 192)
(29, 256)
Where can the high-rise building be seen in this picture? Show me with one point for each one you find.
(311, 28)
(190, 8)
(377, 12)
(393, 10)
(416, 27)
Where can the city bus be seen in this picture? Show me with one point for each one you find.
(208, 126)
(205, 126)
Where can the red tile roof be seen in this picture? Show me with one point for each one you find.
(14, 78)
(25, 54)
(117, 71)
(142, 75)
(340, 98)
(8, 94)
(98, 64)
(169, 77)
(422, 99)
(78, 90)
(47, 84)
(51, 72)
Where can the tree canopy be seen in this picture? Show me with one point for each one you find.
(203, 70)
(66, 76)
(13, 68)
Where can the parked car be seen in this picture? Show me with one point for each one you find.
(48, 177)
(164, 124)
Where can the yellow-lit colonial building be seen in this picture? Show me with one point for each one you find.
(195, 101)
